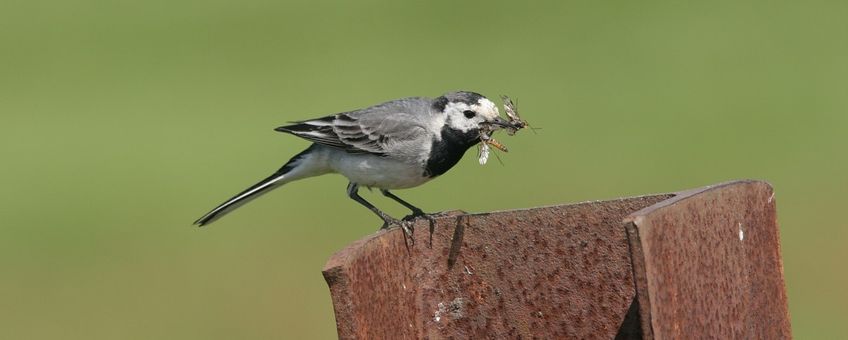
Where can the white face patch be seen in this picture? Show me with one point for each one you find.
(485, 110)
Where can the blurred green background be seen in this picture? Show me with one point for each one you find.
(124, 121)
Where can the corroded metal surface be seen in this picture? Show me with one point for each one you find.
(552, 272)
(707, 262)
(702, 263)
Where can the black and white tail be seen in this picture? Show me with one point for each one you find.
(282, 176)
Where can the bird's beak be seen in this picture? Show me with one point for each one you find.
(501, 122)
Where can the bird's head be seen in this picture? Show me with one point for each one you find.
(468, 111)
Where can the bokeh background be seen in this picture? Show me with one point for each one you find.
(121, 122)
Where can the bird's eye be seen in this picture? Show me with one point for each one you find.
(469, 113)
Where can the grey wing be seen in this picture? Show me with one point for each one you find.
(374, 130)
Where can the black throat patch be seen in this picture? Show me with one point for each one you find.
(445, 153)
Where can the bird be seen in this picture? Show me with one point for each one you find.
(398, 144)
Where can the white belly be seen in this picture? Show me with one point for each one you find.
(378, 172)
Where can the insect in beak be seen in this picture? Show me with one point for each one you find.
(515, 121)
(493, 142)
(511, 126)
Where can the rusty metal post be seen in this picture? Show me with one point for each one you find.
(708, 262)
(569, 271)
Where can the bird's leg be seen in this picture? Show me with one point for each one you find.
(352, 192)
(415, 211)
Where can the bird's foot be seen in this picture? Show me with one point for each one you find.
(390, 222)
(407, 226)
(415, 214)
(431, 218)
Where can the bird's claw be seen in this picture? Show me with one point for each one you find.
(407, 226)
(408, 229)
(415, 214)
(389, 222)
(431, 218)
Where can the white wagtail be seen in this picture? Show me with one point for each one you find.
(398, 144)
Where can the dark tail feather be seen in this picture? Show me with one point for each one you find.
(265, 185)
(238, 200)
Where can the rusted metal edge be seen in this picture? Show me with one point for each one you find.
(337, 278)
(686, 194)
(637, 263)
(550, 206)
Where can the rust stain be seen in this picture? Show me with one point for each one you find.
(456, 242)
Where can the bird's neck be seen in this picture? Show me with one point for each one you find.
(448, 150)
